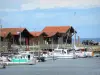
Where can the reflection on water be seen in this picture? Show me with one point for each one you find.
(81, 66)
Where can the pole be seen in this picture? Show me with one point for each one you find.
(74, 44)
(0, 34)
(52, 49)
(38, 51)
(74, 32)
(13, 40)
(20, 39)
(5, 40)
(78, 40)
(75, 39)
(35, 39)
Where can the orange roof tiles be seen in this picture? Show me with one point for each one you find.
(52, 30)
(14, 31)
(36, 33)
(3, 34)
(60, 29)
(49, 34)
(48, 31)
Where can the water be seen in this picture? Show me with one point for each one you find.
(81, 66)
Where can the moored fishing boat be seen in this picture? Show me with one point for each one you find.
(64, 53)
(21, 59)
(82, 52)
(60, 53)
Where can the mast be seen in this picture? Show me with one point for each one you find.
(74, 43)
(0, 33)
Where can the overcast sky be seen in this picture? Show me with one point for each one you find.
(83, 15)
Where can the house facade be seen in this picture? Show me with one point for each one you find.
(38, 38)
(59, 34)
(49, 35)
(15, 36)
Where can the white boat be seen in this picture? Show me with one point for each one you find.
(79, 53)
(82, 52)
(2, 65)
(60, 53)
(38, 55)
(20, 59)
(64, 53)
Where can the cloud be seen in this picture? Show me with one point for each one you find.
(13, 5)
(9, 10)
(46, 4)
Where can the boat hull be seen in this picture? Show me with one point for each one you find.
(61, 57)
(65, 57)
(20, 63)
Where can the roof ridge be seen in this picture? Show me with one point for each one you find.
(59, 26)
(13, 28)
(35, 32)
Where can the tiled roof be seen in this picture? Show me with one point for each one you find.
(52, 30)
(3, 34)
(36, 33)
(60, 29)
(49, 34)
(14, 31)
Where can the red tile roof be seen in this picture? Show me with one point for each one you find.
(52, 30)
(36, 33)
(60, 29)
(49, 34)
(14, 31)
(3, 34)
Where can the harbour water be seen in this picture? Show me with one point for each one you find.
(81, 66)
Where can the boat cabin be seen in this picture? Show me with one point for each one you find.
(22, 58)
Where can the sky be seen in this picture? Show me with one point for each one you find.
(82, 15)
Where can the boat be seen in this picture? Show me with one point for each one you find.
(2, 65)
(20, 59)
(48, 56)
(60, 53)
(82, 52)
(97, 55)
(38, 55)
(64, 53)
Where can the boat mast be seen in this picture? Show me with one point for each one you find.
(74, 42)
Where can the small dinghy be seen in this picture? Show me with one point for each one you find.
(2, 65)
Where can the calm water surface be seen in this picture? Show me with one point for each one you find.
(81, 66)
